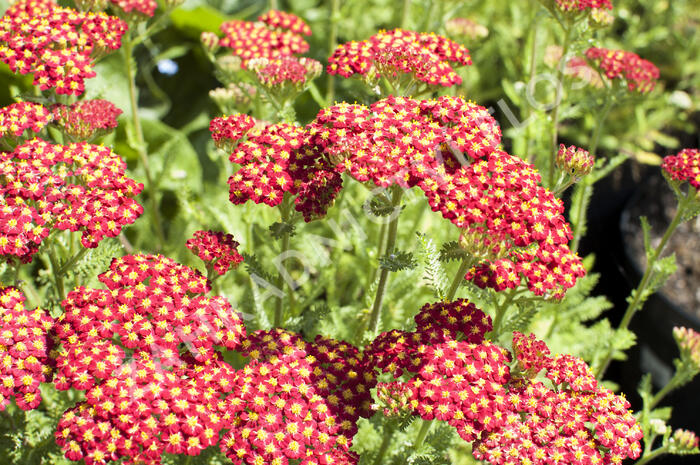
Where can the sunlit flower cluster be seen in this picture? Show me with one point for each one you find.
(144, 350)
(582, 5)
(56, 44)
(404, 141)
(510, 416)
(218, 250)
(276, 160)
(77, 187)
(258, 40)
(25, 347)
(428, 58)
(282, 20)
(284, 71)
(86, 119)
(638, 74)
(19, 117)
(684, 166)
(297, 401)
(146, 8)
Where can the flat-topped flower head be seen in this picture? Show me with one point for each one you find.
(404, 141)
(297, 400)
(58, 45)
(284, 72)
(465, 27)
(684, 167)
(218, 250)
(76, 187)
(87, 119)
(138, 9)
(635, 73)
(287, 21)
(25, 349)
(275, 160)
(21, 117)
(427, 57)
(583, 5)
(249, 40)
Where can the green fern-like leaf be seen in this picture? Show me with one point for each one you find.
(433, 272)
(451, 251)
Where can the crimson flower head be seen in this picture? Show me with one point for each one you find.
(138, 8)
(404, 141)
(287, 21)
(684, 166)
(77, 187)
(19, 117)
(25, 347)
(297, 401)
(249, 40)
(427, 57)
(86, 119)
(574, 161)
(58, 45)
(283, 72)
(275, 160)
(144, 351)
(217, 249)
(619, 65)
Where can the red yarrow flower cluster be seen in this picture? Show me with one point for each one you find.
(684, 166)
(582, 5)
(249, 40)
(284, 71)
(638, 74)
(429, 58)
(25, 347)
(145, 8)
(578, 422)
(165, 396)
(217, 249)
(574, 161)
(19, 117)
(282, 20)
(86, 119)
(297, 401)
(276, 160)
(404, 141)
(78, 187)
(58, 45)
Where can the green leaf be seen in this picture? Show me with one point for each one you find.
(195, 21)
(433, 272)
(397, 260)
(451, 251)
(280, 228)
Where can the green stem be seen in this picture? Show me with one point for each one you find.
(533, 70)
(586, 194)
(73, 260)
(57, 277)
(384, 447)
(422, 434)
(637, 295)
(384, 275)
(332, 45)
(651, 456)
(140, 141)
(405, 14)
(558, 102)
(272, 5)
(279, 303)
(459, 277)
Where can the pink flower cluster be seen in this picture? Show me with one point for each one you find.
(25, 347)
(287, 21)
(77, 187)
(278, 72)
(582, 5)
(638, 74)
(684, 166)
(144, 351)
(426, 57)
(217, 249)
(86, 119)
(146, 8)
(19, 117)
(574, 161)
(456, 376)
(56, 44)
